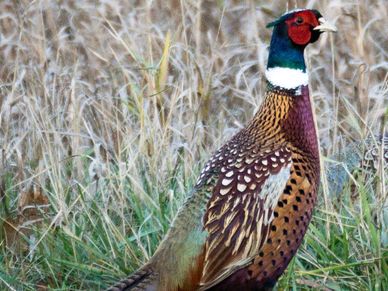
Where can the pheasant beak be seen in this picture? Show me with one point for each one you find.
(325, 26)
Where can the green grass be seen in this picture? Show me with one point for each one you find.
(109, 111)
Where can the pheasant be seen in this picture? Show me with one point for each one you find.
(364, 154)
(253, 201)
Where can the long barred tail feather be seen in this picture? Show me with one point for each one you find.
(141, 280)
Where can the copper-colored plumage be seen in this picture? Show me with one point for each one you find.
(271, 143)
(253, 235)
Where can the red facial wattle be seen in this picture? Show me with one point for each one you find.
(300, 33)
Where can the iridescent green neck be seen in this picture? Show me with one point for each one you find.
(283, 52)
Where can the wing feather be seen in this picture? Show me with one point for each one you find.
(240, 211)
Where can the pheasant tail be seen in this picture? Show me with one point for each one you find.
(142, 280)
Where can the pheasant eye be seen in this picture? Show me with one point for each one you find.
(299, 20)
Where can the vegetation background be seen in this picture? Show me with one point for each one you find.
(108, 110)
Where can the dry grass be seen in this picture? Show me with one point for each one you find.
(109, 110)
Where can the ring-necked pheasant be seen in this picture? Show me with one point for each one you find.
(254, 199)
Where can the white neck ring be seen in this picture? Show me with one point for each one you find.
(287, 78)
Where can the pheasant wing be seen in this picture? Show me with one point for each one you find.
(240, 211)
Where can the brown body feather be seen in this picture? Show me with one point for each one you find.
(253, 230)
(281, 133)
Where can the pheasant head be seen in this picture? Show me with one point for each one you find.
(292, 32)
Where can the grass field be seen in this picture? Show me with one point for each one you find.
(109, 110)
